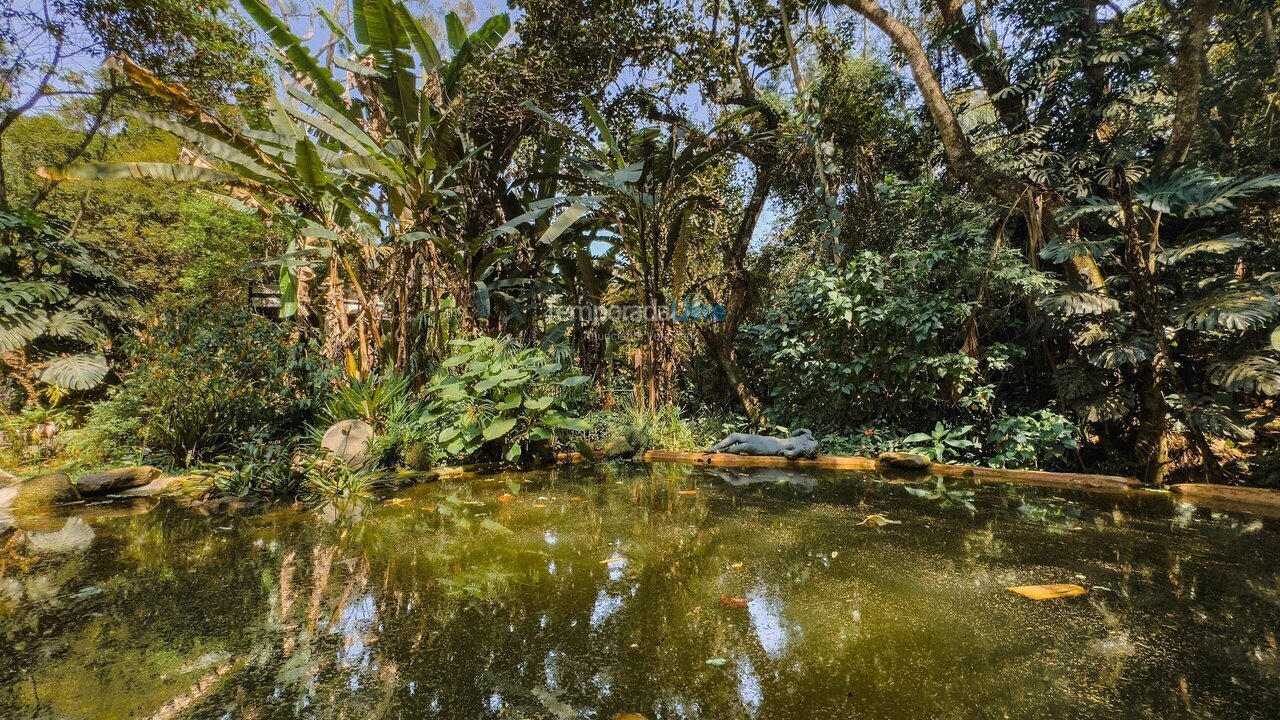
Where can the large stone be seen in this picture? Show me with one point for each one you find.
(349, 440)
(42, 491)
(118, 479)
(155, 487)
(7, 479)
(904, 460)
(614, 447)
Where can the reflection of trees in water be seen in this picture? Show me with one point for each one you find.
(417, 612)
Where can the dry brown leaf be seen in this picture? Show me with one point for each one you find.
(506, 498)
(688, 492)
(732, 602)
(613, 560)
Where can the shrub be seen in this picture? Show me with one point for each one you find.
(496, 399)
(257, 467)
(664, 429)
(1037, 440)
(202, 381)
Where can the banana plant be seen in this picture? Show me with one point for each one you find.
(359, 157)
(644, 195)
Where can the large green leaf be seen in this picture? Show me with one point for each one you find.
(1252, 374)
(172, 172)
(298, 54)
(1235, 306)
(71, 324)
(1078, 302)
(428, 53)
(20, 326)
(217, 148)
(75, 372)
(308, 166)
(388, 42)
(498, 428)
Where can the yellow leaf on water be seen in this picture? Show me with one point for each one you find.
(613, 560)
(506, 498)
(879, 521)
(629, 716)
(736, 566)
(1048, 592)
(688, 492)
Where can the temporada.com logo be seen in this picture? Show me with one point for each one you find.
(688, 311)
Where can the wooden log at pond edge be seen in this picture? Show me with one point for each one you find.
(1260, 501)
(1233, 498)
(839, 462)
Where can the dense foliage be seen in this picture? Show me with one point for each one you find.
(1026, 234)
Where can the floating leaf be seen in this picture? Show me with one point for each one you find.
(733, 602)
(880, 520)
(1048, 592)
(497, 527)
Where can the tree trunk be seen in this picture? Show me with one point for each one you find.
(1188, 76)
(724, 357)
(961, 157)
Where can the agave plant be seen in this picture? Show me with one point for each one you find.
(60, 306)
(1181, 294)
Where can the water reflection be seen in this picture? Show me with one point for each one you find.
(583, 597)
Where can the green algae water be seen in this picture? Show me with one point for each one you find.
(666, 591)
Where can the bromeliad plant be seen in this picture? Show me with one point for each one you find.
(494, 399)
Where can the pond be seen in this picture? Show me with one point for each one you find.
(667, 591)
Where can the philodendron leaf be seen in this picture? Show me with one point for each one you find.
(498, 428)
(75, 372)
(575, 380)
(513, 453)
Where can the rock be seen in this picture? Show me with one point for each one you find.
(228, 503)
(615, 447)
(7, 479)
(74, 536)
(904, 460)
(155, 487)
(43, 491)
(350, 441)
(118, 479)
